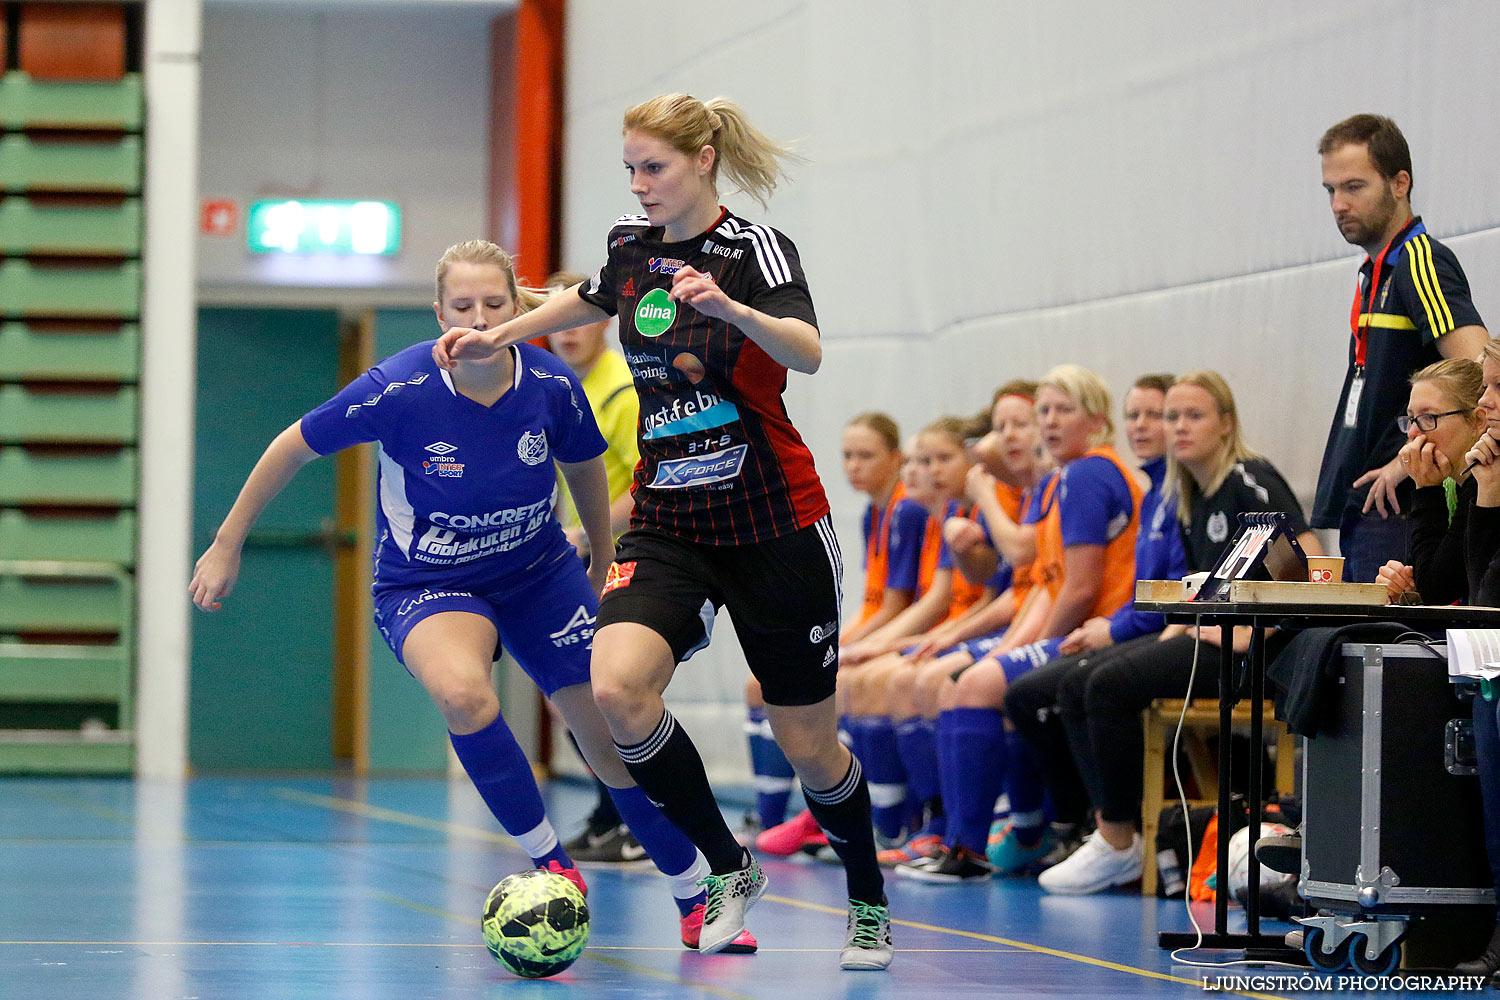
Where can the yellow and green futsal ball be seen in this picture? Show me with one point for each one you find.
(535, 923)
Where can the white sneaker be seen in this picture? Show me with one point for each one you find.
(1094, 867)
(868, 943)
(729, 896)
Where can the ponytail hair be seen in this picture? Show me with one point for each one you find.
(750, 158)
(485, 252)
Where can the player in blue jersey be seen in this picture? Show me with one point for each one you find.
(470, 557)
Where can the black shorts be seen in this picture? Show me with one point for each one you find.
(783, 596)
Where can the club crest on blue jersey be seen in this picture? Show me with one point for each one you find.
(532, 448)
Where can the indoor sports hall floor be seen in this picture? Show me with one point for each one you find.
(295, 888)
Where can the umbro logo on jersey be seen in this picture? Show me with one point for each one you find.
(665, 265)
(532, 448)
(441, 448)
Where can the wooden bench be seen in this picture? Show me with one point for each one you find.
(1200, 722)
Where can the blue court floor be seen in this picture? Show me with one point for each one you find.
(296, 888)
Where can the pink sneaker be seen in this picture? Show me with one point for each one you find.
(913, 850)
(790, 837)
(571, 874)
(692, 927)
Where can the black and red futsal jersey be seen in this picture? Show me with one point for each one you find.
(721, 463)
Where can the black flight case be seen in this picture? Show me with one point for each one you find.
(1393, 838)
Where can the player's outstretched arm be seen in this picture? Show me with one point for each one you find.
(563, 311)
(218, 568)
(589, 487)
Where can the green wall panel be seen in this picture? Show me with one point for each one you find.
(262, 684)
(406, 732)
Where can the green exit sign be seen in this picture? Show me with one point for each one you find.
(340, 227)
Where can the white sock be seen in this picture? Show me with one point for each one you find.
(685, 884)
(539, 841)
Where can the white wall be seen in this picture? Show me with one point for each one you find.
(996, 187)
(320, 102)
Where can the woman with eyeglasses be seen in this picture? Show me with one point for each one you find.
(1442, 422)
(1452, 454)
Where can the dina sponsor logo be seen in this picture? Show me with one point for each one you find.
(655, 313)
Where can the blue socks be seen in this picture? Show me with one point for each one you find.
(1027, 792)
(773, 772)
(502, 775)
(916, 740)
(973, 751)
(875, 746)
(673, 853)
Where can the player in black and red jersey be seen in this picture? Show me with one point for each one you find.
(729, 511)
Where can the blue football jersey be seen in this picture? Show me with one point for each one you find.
(466, 491)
